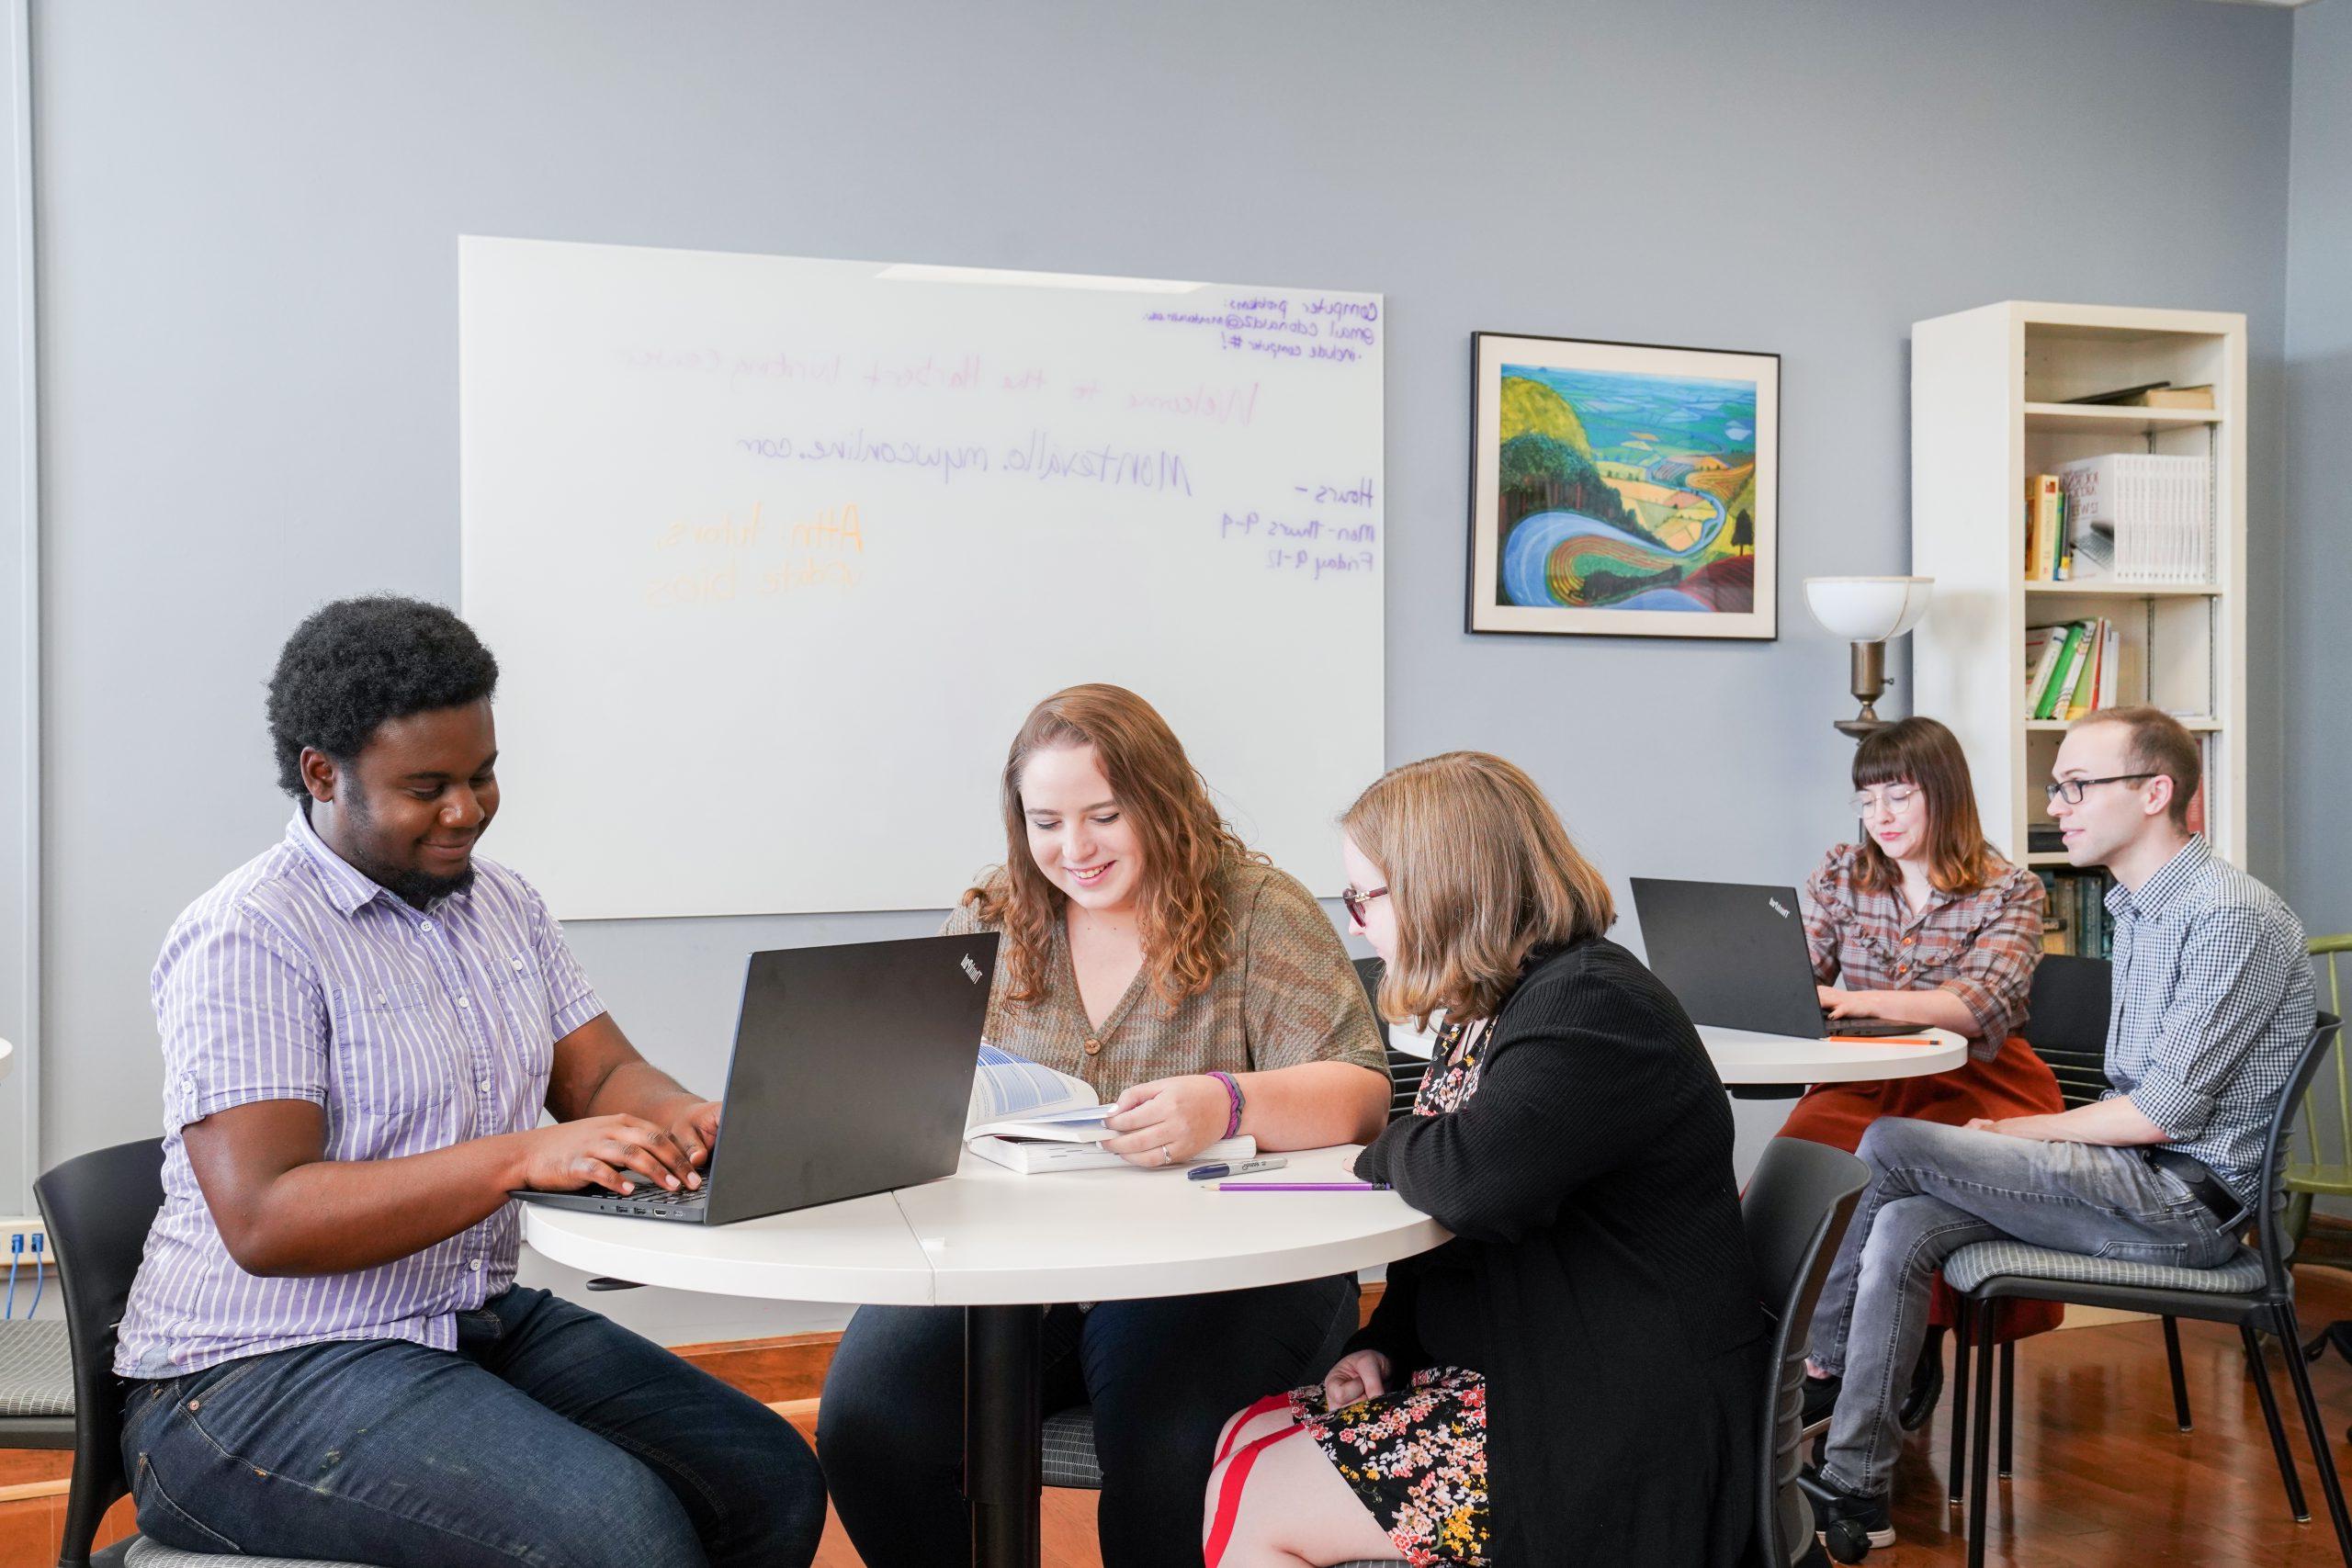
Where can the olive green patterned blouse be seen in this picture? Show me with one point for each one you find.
(1288, 995)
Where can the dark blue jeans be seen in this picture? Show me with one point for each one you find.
(1162, 1376)
(550, 1436)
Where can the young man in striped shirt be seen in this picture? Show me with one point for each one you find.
(2213, 1006)
(328, 1353)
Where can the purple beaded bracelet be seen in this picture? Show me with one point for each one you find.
(1233, 1091)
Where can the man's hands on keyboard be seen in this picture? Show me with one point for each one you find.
(619, 1154)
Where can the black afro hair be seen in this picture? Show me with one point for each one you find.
(358, 663)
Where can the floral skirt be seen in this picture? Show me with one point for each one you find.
(1417, 1458)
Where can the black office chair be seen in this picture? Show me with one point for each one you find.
(36, 1385)
(1795, 1211)
(1068, 1434)
(2066, 1025)
(2255, 1291)
(1404, 1069)
(98, 1208)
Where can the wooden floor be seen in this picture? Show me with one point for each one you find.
(2102, 1477)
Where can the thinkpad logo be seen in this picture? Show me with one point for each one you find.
(971, 970)
(1777, 908)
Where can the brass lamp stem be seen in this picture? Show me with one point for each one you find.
(1869, 684)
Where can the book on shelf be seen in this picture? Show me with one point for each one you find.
(2075, 917)
(2061, 679)
(2042, 646)
(2154, 395)
(1027, 1117)
(2141, 517)
(2044, 546)
(2073, 668)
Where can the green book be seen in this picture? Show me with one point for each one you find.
(2069, 667)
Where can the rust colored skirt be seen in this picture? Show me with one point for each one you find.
(2017, 1082)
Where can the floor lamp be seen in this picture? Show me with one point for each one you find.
(1868, 612)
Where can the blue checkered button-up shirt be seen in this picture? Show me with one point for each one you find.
(2212, 1004)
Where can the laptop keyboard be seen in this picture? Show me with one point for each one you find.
(1867, 1028)
(653, 1197)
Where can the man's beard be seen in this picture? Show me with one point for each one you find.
(412, 886)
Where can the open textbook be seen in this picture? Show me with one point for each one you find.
(1029, 1118)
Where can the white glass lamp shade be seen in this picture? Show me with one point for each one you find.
(1866, 609)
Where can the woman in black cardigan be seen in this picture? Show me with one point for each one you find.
(1596, 1303)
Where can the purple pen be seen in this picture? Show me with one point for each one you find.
(1302, 1187)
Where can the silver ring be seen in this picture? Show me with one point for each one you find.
(1167, 1156)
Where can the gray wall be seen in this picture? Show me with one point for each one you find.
(2318, 624)
(247, 213)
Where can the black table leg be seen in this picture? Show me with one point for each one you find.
(1003, 1467)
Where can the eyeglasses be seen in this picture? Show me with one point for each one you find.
(2072, 788)
(1899, 799)
(1356, 901)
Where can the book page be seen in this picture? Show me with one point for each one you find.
(1009, 1086)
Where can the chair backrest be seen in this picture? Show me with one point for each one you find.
(2270, 1231)
(2327, 1164)
(98, 1208)
(1794, 1210)
(1404, 1069)
(2066, 1019)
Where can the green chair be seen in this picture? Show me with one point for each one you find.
(2325, 1168)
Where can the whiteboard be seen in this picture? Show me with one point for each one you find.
(777, 554)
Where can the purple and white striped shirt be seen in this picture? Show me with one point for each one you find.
(298, 977)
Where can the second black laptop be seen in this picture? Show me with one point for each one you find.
(1734, 954)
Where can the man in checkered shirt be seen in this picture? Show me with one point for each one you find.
(2212, 1005)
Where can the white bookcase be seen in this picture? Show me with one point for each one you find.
(1988, 390)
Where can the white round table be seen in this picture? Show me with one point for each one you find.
(1003, 1245)
(1744, 1059)
(1776, 1066)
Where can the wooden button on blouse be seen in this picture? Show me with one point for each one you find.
(1094, 1047)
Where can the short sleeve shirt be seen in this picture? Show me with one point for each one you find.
(298, 977)
(1981, 946)
(1287, 995)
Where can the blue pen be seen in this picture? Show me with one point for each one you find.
(1239, 1167)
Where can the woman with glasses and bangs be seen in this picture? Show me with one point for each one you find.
(1924, 923)
(1573, 1135)
(1149, 951)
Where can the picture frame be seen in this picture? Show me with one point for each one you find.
(1622, 489)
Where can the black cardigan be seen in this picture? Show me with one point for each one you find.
(1589, 1178)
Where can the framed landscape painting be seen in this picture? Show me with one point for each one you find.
(1622, 489)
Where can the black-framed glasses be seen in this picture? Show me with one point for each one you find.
(1356, 901)
(2072, 788)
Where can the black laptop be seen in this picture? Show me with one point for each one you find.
(852, 1074)
(1734, 954)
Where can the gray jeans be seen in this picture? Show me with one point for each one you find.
(1933, 1190)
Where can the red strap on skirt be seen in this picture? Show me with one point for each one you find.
(1265, 1407)
(1228, 1497)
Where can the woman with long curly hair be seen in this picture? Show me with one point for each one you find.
(1148, 951)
